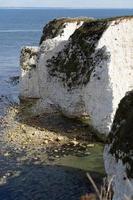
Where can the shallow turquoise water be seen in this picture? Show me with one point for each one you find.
(91, 163)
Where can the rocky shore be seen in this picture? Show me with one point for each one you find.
(52, 134)
(47, 145)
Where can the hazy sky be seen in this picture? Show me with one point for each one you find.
(68, 3)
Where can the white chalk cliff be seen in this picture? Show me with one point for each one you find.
(80, 68)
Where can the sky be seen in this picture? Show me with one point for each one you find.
(68, 3)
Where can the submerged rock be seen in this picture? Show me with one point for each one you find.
(118, 154)
(82, 68)
(14, 80)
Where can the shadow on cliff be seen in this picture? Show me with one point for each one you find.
(47, 183)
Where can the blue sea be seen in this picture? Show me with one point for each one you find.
(20, 27)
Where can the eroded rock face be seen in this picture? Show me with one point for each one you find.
(83, 68)
(34, 82)
(118, 154)
(29, 87)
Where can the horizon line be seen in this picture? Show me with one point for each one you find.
(24, 7)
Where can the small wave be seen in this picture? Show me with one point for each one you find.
(18, 30)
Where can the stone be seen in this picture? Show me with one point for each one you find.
(74, 142)
(6, 154)
(45, 142)
(57, 156)
(87, 153)
(90, 145)
(9, 174)
(59, 138)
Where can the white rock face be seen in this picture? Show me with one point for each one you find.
(29, 87)
(34, 81)
(118, 155)
(103, 96)
(103, 74)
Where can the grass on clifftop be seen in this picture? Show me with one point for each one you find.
(75, 63)
(56, 26)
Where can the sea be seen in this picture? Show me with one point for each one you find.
(20, 27)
